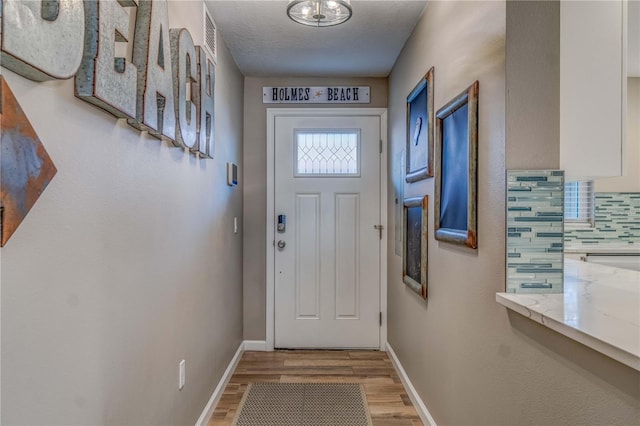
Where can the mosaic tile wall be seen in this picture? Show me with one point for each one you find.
(535, 209)
(617, 220)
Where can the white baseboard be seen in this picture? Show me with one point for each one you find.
(255, 345)
(217, 392)
(422, 410)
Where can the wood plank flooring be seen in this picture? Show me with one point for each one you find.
(388, 402)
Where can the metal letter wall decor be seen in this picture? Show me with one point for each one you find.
(184, 65)
(105, 79)
(152, 55)
(42, 40)
(166, 89)
(206, 104)
(25, 168)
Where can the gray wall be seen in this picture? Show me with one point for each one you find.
(533, 77)
(470, 359)
(126, 265)
(254, 175)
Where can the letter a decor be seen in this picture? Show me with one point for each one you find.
(25, 168)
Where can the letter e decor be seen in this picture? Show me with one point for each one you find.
(25, 169)
(106, 78)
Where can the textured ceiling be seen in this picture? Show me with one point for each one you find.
(265, 42)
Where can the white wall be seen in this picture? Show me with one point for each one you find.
(630, 179)
(126, 265)
(472, 361)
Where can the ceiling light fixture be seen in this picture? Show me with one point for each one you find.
(319, 13)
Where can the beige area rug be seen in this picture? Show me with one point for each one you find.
(303, 404)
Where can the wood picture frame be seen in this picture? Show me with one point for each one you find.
(414, 246)
(456, 169)
(420, 130)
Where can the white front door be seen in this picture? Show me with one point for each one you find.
(327, 255)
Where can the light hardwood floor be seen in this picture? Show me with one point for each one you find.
(386, 397)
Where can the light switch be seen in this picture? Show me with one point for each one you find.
(182, 374)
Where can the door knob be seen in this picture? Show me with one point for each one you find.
(281, 244)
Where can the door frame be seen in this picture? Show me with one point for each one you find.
(272, 114)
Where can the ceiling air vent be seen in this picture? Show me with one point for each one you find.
(210, 35)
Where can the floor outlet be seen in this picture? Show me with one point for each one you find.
(182, 374)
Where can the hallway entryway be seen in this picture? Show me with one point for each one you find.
(387, 400)
(326, 228)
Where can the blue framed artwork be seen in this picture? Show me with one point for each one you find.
(420, 130)
(456, 169)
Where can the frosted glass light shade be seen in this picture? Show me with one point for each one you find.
(319, 13)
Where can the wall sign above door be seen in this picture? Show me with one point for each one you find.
(316, 95)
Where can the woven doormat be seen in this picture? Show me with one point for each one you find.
(303, 404)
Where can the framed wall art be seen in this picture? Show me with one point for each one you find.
(420, 130)
(414, 252)
(398, 202)
(456, 169)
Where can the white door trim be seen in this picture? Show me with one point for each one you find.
(272, 113)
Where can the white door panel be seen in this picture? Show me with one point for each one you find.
(307, 256)
(347, 259)
(327, 283)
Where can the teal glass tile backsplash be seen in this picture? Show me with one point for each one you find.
(535, 232)
(617, 220)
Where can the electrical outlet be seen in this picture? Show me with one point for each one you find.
(182, 374)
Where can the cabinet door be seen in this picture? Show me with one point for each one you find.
(592, 88)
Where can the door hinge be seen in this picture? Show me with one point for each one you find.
(380, 146)
(380, 319)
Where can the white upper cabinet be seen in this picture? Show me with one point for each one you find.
(593, 74)
(633, 37)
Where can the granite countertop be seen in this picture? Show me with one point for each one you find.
(604, 248)
(600, 308)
